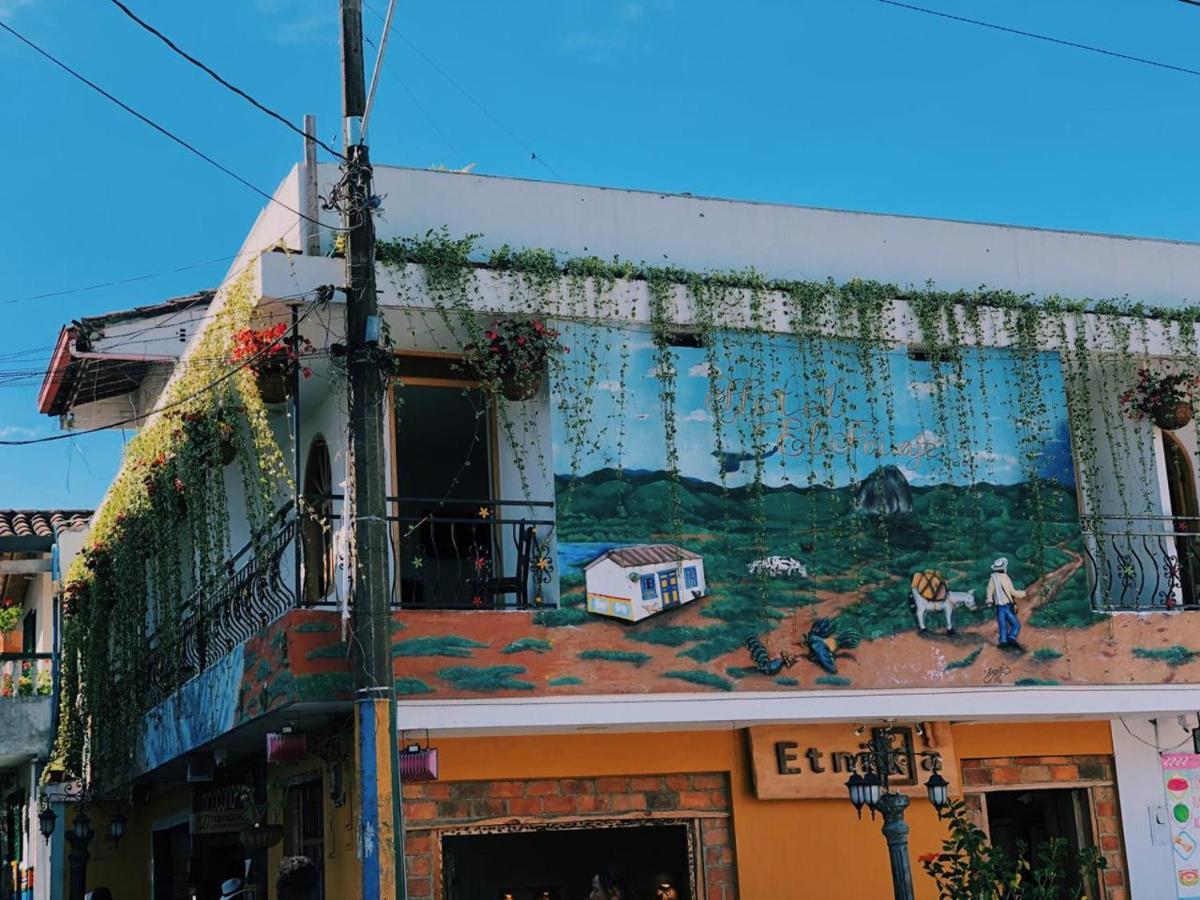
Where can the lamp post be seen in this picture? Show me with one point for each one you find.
(78, 836)
(870, 785)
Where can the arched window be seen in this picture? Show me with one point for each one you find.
(316, 523)
(1181, 489)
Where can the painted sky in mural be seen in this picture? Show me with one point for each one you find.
(825, 417)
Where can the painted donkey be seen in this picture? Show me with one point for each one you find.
(930, 592)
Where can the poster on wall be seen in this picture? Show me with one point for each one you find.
(1181, 776)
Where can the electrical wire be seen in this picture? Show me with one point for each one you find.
(237, 90)
(148, 121)
(70, 435)
(1043, 37)
(416, 102)
(462, 90)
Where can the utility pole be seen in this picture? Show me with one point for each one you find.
(380, 837)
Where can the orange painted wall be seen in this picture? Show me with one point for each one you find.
(785, 848)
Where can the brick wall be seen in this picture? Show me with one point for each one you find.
(430, 808)
(1096, 774)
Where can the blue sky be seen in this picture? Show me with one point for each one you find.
(838, 103)
(960, 444)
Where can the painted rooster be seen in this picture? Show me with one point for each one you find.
(764, 662)
(823, 643)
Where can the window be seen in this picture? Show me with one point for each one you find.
(29, 632)
(306, 820)
(649, 590)
(690, 578)
(315, 527)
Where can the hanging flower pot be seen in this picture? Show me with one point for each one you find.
(273, 357)
(1165, 399)
(260, 837)
(518, 389)
(1173, 416)
(516, 350)
(274, 385)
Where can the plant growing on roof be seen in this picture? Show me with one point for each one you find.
(1165, 399)
(272, 356)
(514, 354)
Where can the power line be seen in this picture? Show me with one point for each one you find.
(118, 281)
(169, 406)
(237, 90)
(462, 90)
(416, 102)
(1043, 37)
(159, 128)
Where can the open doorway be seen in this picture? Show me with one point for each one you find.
(1030, 818)
(558, 863)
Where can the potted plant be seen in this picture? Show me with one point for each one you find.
(514, 356)
(272, 358)
(1165, 399)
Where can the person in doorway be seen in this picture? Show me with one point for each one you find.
(607, 884)
(298, 879)
(1003, 595)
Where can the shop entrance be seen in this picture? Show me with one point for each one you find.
(1033, 817)
(558, 862)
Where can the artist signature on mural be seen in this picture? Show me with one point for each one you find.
(996, 674)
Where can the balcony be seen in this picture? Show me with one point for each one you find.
(26, 705)
(256, 587)
(1143, 563)
(461, 554)
(468, 553)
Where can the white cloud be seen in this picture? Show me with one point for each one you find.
(660, 372)
(12, 432)
(8, 8)
(1004, 460)
(921, 389)
(698, 415)
(700, 370)
(613, 387)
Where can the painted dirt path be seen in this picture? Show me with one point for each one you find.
(600, 656)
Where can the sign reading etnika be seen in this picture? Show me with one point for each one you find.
(809, 762)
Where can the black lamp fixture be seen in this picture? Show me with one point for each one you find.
(116, 828)
(81, 826)
(46, 822)
(868, 785)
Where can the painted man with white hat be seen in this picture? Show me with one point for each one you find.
(1002, 594)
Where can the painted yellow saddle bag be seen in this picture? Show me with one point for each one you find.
(930, 585)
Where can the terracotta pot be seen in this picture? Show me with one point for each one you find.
(260, 837)
(1173, 416)
(274, 385)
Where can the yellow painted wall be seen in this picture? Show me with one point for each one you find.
(125, 869)
(785, 848)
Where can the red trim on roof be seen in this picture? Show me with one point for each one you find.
(57, 372)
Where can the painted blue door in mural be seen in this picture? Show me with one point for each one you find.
(668, 587)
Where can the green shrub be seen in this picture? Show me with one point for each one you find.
(520, 646)
(701, 677)
(437, 645)
(628, 656)
(485, 679)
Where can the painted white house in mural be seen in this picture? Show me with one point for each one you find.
(634, 583)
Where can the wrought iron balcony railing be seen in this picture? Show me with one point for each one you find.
(1143, 563)
(468, 553)
(252, 591)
